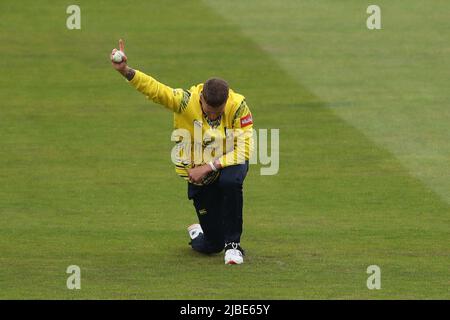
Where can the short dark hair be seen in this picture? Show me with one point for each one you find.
(215, 92)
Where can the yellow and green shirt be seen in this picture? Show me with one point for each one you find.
(235, 121)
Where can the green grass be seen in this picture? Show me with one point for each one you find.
(390, 84)
(86, 177)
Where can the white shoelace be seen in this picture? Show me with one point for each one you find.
(234, 245)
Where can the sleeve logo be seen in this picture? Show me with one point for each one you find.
(246, 121)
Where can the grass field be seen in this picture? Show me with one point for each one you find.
(85, 170)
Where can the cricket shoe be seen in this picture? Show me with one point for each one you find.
(194, 230)
(234, 254)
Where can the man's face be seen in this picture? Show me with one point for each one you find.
(212, 113)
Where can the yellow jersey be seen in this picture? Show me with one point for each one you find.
(228, 139)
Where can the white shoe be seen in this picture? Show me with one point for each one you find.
(194, 230)
(234, 255)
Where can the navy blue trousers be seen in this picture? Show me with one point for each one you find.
(219, 209)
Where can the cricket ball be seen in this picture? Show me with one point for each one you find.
(118, 56)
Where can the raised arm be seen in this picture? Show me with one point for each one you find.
(122, 67)
(173, 99)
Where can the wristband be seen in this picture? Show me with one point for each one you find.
(211, 164)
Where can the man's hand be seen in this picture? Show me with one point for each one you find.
(197, 174)
(122, 67)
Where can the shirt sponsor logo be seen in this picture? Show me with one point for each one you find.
(247, 120)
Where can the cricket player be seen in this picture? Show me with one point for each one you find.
(213, 141)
